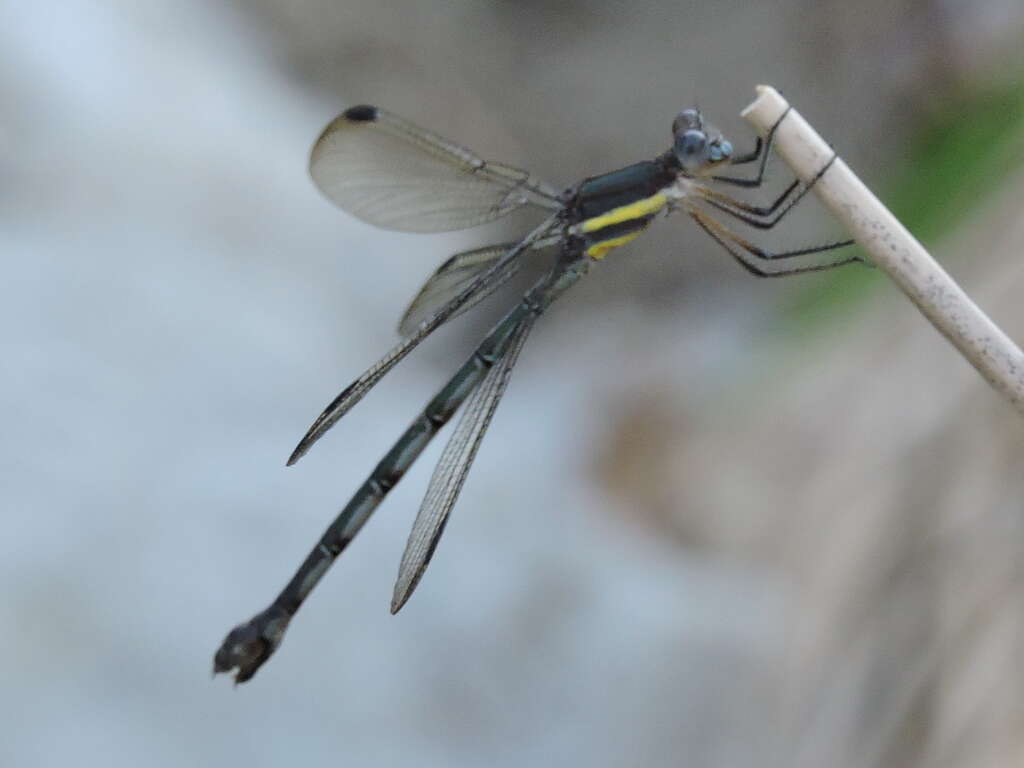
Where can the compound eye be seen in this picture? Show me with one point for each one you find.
(688, 119)
(690, 147)
(720, 150)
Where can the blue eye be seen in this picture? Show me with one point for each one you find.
(691, 144)
(719, 151)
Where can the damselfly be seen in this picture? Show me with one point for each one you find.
(389, 172)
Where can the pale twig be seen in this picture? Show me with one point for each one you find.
(892, 248)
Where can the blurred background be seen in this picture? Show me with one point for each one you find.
(717, 521)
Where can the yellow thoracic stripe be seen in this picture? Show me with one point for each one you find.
(640, 208)
(600, 250)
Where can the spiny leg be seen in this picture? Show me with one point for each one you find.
(766, 255)
(728, 204)
(751, 156)
(762, 151)
(729, 241)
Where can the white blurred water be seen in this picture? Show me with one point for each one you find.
(177, 302)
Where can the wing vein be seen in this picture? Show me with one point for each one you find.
(453, 467)
(357, 389)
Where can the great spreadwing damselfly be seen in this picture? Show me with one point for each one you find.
(391, 173)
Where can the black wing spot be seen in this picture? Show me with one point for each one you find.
(363, 113)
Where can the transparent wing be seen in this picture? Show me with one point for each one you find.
(391, 173)
(451, 278)
(357, 389)
(452, 468)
